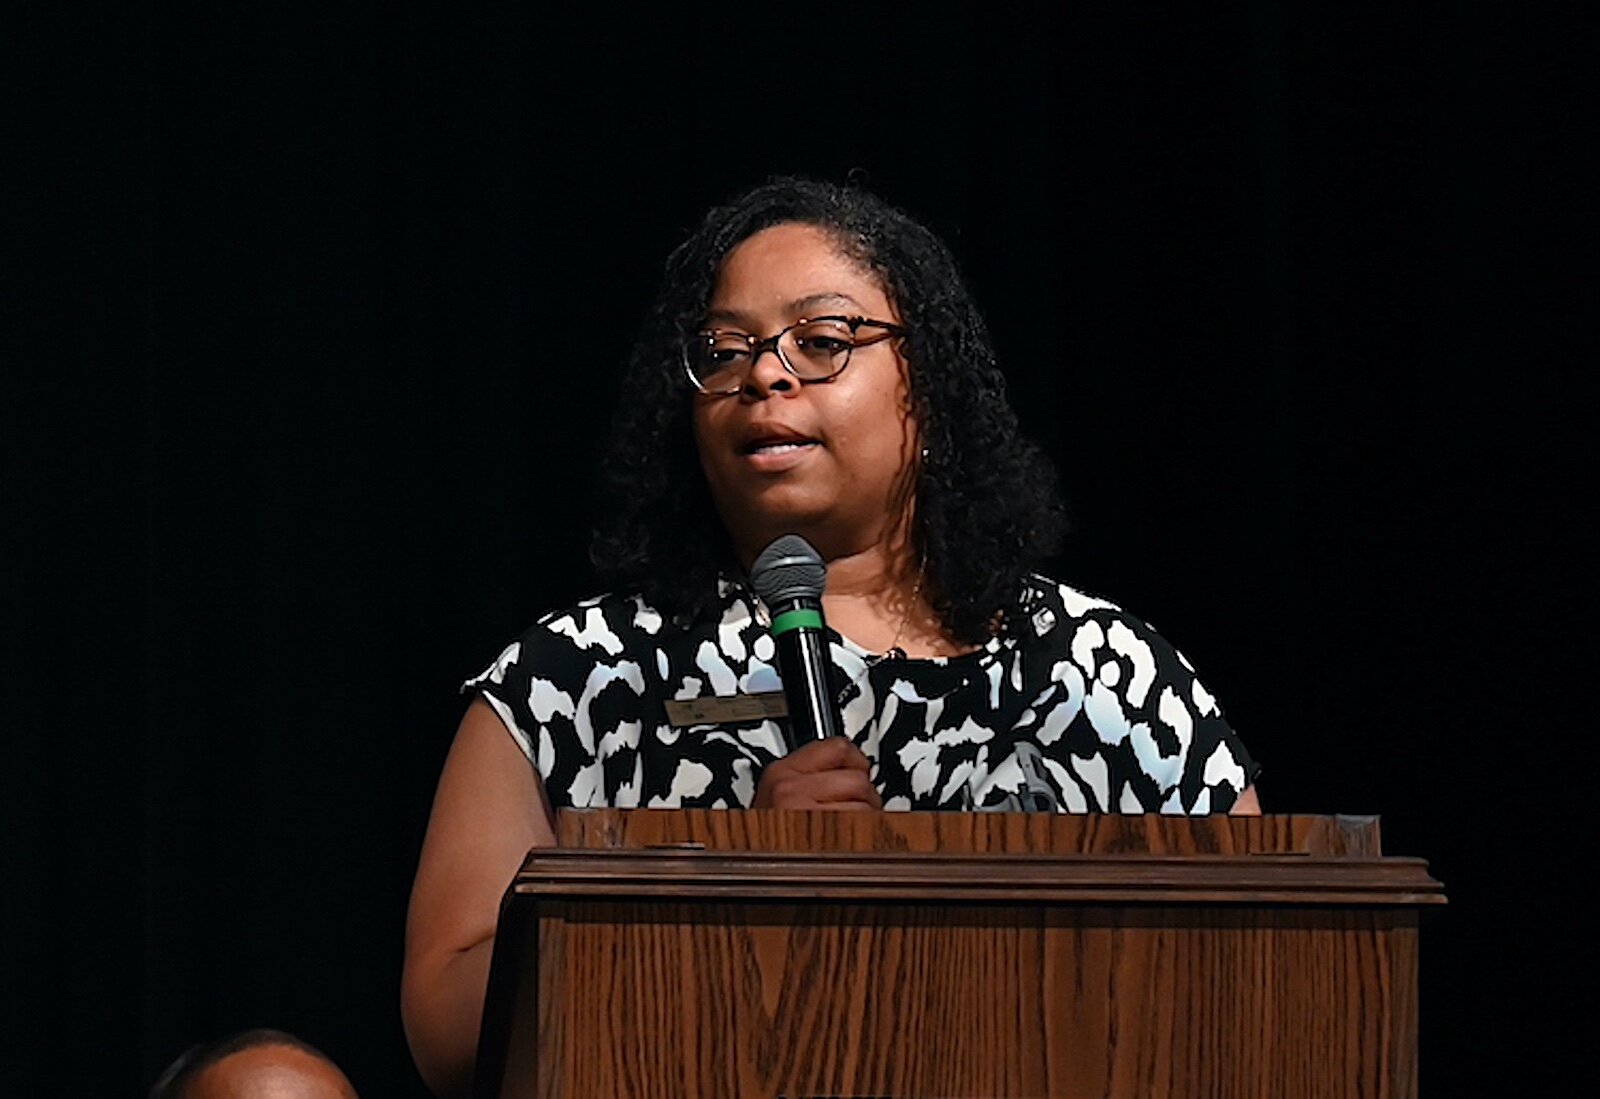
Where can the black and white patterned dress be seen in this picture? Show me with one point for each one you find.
(1087, 709)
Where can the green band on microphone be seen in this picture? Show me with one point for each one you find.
(796, 620)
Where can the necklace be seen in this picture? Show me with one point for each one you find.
(894, 651)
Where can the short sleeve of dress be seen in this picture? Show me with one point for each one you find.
(1122, 724)
(561, 686)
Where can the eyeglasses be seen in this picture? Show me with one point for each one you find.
(813, 349)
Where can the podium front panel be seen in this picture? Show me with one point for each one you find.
(679, 971)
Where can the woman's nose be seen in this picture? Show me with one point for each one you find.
(767, 374)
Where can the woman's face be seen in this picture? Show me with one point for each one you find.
(832, 461)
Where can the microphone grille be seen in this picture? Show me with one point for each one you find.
(790, 568)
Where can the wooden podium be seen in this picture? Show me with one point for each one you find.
(755, 954)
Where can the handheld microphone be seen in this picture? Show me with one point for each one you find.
(789, 576)
(1036, 795)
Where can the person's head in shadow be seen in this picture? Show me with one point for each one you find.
(254, 1064)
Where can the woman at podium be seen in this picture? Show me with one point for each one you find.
(813, 365)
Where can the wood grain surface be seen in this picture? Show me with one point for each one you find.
(990, 971)
(1053, 833)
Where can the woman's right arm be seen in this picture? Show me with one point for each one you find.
(489, 810)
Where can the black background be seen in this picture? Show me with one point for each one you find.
(314, 326)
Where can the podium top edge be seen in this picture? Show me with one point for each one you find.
(1350, 837)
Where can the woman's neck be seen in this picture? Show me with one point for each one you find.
(879, 599)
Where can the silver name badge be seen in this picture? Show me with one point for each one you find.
(726, 709)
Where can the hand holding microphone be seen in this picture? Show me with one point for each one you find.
(825, 774)
(822, 770)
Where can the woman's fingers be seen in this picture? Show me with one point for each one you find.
(825, 774)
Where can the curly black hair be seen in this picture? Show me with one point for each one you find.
(987, 512)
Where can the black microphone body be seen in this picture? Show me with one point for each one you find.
(789, 576)
(804, 665)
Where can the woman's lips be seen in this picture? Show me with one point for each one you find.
(779, 453)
